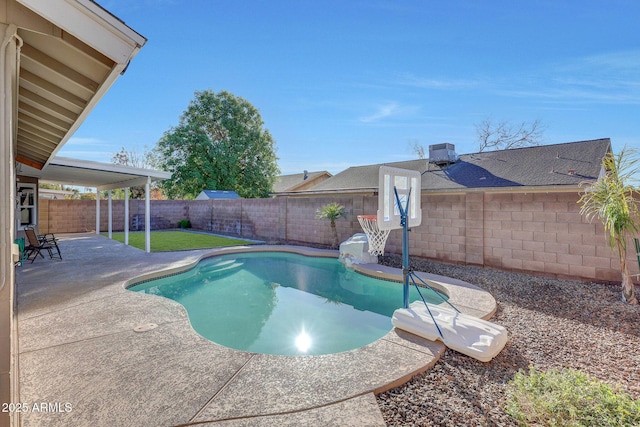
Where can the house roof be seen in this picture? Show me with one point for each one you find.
(221, 194)
(566, 164)
(292, 182)
(72, 51)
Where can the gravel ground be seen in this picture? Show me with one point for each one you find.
(551, 323)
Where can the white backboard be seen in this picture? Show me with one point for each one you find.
(407, 184)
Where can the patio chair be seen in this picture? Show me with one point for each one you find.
(36, 246)
(48, 238)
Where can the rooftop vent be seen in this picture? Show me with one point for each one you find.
(442, 153)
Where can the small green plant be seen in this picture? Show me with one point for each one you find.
(184, 223)
(568, 398)
(332, 212)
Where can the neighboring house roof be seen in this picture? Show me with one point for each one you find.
(217, 194)
(567, 164)
(299, 181)
(48, 193)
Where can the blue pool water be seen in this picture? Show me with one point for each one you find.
(283, 303)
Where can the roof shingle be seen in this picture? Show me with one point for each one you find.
(566, 164)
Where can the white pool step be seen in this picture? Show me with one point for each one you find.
(463, 333)
(219, 267)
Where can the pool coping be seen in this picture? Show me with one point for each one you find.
(78, 344)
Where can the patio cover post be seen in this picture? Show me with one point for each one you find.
(97, 211)
(126, 215)
(147, 215)
(110, 215)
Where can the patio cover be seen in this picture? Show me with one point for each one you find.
(102, 176)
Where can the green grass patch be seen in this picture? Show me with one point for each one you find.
(568, 398)
(162, 241)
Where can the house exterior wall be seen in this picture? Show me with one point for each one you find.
(538, 232)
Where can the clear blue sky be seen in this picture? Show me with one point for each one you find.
(344, 83)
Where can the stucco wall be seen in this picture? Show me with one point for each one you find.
(535, 232)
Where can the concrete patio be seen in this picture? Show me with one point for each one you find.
(79, 353)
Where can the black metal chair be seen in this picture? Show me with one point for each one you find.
(36, 246)
(47, 239)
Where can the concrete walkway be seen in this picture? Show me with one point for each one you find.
(80, 356)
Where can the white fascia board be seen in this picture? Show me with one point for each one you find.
(135, 182)
(110, 167)
(92, 24)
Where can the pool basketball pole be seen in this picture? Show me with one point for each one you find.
(405, 245)
(466, 334)
(407, 272)
(399, 207)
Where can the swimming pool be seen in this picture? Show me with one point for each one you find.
(283, 303)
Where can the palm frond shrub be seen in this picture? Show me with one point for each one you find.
(613, 200)
(332, 212)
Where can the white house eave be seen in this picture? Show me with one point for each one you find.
(94, 27)
(92, 24)
(104, 87)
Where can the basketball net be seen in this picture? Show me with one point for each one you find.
(377, 238)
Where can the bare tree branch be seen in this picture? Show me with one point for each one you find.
(129, 158)
(417, 149)
(505, 135)
(134, 159)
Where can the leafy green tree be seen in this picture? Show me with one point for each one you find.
(612, 200)
(51, 186)
(332, 212)
(219, 144)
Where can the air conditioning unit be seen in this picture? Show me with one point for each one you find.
(442, 153)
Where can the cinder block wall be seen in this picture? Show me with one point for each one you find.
(265, 219)
(303, 225)
(532, 232)
(68, 216)
(544, 232)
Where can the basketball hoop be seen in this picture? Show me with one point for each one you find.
(377, 238)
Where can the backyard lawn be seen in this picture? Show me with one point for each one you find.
(178, 240)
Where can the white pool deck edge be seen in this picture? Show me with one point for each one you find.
(77, 345)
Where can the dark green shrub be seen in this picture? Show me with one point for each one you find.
(184, 223)
(568, 398)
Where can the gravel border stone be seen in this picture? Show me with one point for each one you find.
(551, 323)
